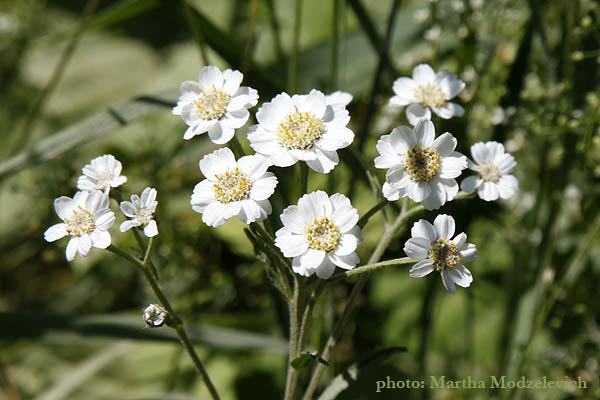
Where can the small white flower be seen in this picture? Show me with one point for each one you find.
(87, 219)
(101, 173)
(233, 188)
(155, 316)
(494, 172)
(302, 127)
(426, 92)
(216, 104)
(141, 211)
(434, 249)
(420, 167)
(320, 233)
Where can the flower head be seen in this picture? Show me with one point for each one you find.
(86, 219)
(233, 188)
(420, 167)
(320, 233)
(141, 211)
(101, 173)
(435, 249)
(426, 92)
(302, 127)
(493, 167)
(216, 104)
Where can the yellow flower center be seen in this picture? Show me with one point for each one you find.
(488, 172)
(211, 103)
(81, 222)
(322, 234)
(429, 95)
(299, 131)
(444, 254)
(422, 163)
(233, 185)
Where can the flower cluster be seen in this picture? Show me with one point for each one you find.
(87, 216)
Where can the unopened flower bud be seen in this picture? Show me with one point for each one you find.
(155, 316)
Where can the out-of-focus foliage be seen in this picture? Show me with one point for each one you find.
(532, 71)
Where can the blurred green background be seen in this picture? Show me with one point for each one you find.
(83, 78)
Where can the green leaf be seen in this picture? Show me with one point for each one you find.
(120, 11)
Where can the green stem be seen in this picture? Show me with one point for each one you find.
(370, 268)
(303, 179)
(292, 375)
(365, 218)
(293, 59)
(177, 323)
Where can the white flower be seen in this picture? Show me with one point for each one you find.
(493, 167)
(302, 127)
(87, 219)
(233, 188)
(216, 104)
(141, 210)
(420, 167)
(101, 173)
(426, 92)
(434, 248)
(320, 233)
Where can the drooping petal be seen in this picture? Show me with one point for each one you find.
(151, 229)
(84, 245)
(71, 249)
(325, 269)
(415, 113)
(460, 275)
(447, 281)
(325, 161)
(468, 252)
(347, 261)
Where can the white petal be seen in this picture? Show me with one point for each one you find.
(212, 215)
(235, 119)
(424, 229)
(291, 245)
(404, 92)
(312, 258)
(460, 275)
(391, 193)
(127, 225)
(220, 134)
(449, 83)
(269, 115)
(315, 204)
(505, 163)
(232, 80)
(348, 261)
(251, 211)
(447, 281)
(209, 76)
(104, 219)
(488, 191)
(325, 269)
(460, 240)
(480, 153)
(438, 195)
(346, 245)
(452, 167)
(470, 183)
(151, 229)
(444, 144)
(84, 245)
(397, 177)
(339, 97)
(418, 191)
(425, 132)
(217, 162)
(72, 248)
(423, 73)
(128, 209)
(416, 113)
(300, 269)
(507, 186)
(468, 252)
(293, 219)
(417, 247)
(203, 194)
(444, 226)
(100, 239)
(449, 110)
(338, 200)
(325, 161)
(55, 232)
(314, 102)
(64, 207)
(345, 218)
(263, 142)
(263, 188)
(422, 268)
